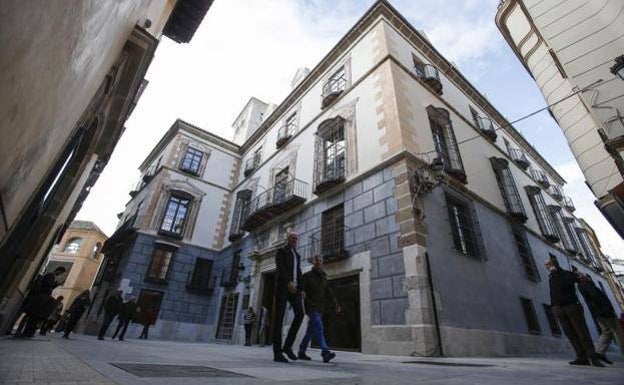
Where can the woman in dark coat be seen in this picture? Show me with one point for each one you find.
(76, 310)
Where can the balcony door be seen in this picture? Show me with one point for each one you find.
(280, 189)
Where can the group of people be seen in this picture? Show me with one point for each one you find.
(126, 312)
(569, 311)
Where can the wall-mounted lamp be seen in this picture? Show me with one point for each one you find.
(618, 67)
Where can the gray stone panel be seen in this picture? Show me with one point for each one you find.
(363, 200)
(374, 212)
(381, 288)
(354, 220)
(353, 191)
(379, 247)
(372, 181)
(386, 225)
(383, 191)
(364, 233)
(391, 265)
(393, 311)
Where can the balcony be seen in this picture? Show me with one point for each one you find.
(519, 158)
(568, 204)
(540, 177)
(330, 243)
(334, 87)
(198, 284)
(274, 202)
(236, 235)
(135, 190)
(556, 192)
(251, 164)
(328, 176)
(284, 134)
(430, 75)
(487, 127)
(149, 174)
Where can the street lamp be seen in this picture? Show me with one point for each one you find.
(618, 67)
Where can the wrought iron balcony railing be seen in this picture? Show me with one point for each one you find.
(540, 177)
(519, 157)
(274, 202)
(200, 283)
(327, 176)
(487, 126)
(284, 134)
(332, 89)
(251, 164)
(330, 242)
(430, 75)
(568, 204)
(556, 192)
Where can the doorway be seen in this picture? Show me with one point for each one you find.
(268, 287)
(343, 331)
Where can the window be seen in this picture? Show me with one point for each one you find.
(96, 250)
(330, 154)
(241, 209)
(530, 316)
(524, 250)
(564, 236)
(462, 226)
(589, 250)
(73, 246)
(332, 233)
(334, 86)
(445, 142)
(253, 162)
(201, 276)
(175, 215)
(570, 228)
(286, 130)
(149, 300)
(508, 188)
(191, 160)
(547, 227)
(229, 275)
(160, 265)
(552, 321)
(280, 188)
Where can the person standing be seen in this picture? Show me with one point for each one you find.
(54, 317)
(248, 321)
(264, 323)
(149, 317)
(127, 314)
(287, 289)
(568, 310)
(39, 303)
(317, 291)
(602, 310)
(112, 307)
(76, 310)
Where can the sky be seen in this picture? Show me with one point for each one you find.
(247, 48)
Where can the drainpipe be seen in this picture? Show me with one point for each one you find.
(435, 306)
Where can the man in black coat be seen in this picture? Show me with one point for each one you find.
(112, 307)
(127, 314)
(603, 313)
(76, 310)
(39, 303)
(287, 289)
(568, 310)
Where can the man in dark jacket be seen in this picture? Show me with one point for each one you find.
(568, 310)
(603, 313)
(39, 303)
(317, 292)
(76, 310)
(112, 307)
(127, 314)
(287, 289)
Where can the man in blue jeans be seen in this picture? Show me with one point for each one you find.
(317, 291)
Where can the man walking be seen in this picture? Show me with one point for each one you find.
(568, 310)
(248, 320)
(53, 318)
(317, 290)
(601, 309)
(39, 303)
(127, 314)
(76, 310)
(287, 289)
(112, 307)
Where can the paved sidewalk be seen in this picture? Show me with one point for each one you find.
(84, 360)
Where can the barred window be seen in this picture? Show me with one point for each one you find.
(589, 250)
(552, 321)
(239, 215)
(160, 265)
(445, 142)
(564, 236)
(524, 250)
(542, 214)
(571, 229)
(191, 160)
(330, 154)
(462, 226)
(175, 215)
(530, 316)
(508, 188)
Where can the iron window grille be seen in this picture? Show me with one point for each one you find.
(175, 216)
(552, 321)
(571, 229)
(160, 265)
(329, 242)
(286, 131)
(229, 275)
(330, 155)
(252, 163)
(200, 280)
(445, 142)
(508, 188)
(542, 213)
(530, 316)
(564, 236)
(334, 86)
(540, 177)
(524, 250)
(485, 124)
(590, 252)
(519, 157)
(429, 74)
(191, 161)
(463, 228)
(241, 206)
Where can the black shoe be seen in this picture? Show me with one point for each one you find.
(289, 353)
(604, 359)
(121, 339)
(101, 338)
(595, 361)
(280, 358)
(303, 356)
(580, 362)
(328, 356)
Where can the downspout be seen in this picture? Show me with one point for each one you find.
(435, 306)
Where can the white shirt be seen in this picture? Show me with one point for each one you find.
(294, 266)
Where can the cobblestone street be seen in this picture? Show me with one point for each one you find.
(84, 360)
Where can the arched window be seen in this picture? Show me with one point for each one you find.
(73, 245)
(96, 250)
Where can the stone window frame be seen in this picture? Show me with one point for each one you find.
(173, 187)
(242, 200)
(183, 147)
(556, 213)
(192, 153)
(445, 142)
(74, 250)
(478, 250)
(530, 316)
(348, 76)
